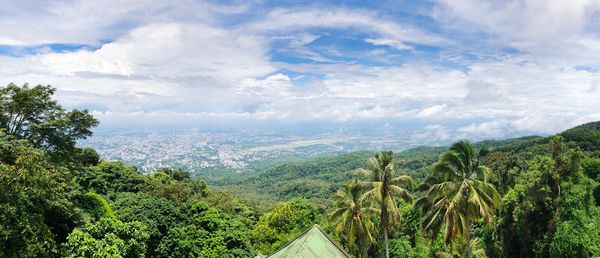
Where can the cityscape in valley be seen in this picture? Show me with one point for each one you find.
(205, 153)
(210, 153)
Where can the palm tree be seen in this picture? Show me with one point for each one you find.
(461, 194)
(353, 216)
(384, 188)
(458, 249)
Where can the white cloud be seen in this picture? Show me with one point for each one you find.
(480, 91)
(285, 19)
(545, 122)
(586, 119)
(183, 60)
(556, 31)
(276, 85)
(432, 134)
(183, 67)
(169, 50)
(91, 22)
(433, 111)
(483, 130)
(388, 42)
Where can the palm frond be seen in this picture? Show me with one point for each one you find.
(401, 192)
(459, 192)
(353, 215)
(403, 180)
(364, 173)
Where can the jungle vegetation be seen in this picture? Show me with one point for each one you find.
(524, 197)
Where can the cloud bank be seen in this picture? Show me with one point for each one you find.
(498, 67)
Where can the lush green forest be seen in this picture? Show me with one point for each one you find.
(524, 197)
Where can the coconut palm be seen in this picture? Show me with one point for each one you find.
(353, 216)
(384, 187)
(459, 247)
(462, 193)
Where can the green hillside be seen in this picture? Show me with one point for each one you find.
(313, 178)
(585, 136)
(514, 144)
(525, 197)
(318, 178)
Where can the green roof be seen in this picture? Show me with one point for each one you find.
(312, 243)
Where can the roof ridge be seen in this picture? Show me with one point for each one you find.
(301, 244)
(331, 240)
(291, 241)
(305, 233)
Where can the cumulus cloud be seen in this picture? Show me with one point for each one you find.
(432, 111)
(165, 61)
(157, 66)
(432, 134)
(482, 92)
(554, 30)
(483, 130)
(92, 22)
(169, 50)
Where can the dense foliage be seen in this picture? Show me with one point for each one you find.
(31, 114)
(317, 179)
(48, 210)
(524, 197)
(52, 205)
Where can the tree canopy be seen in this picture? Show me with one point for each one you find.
(524, 197)
(30, 113)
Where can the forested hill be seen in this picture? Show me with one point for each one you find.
(586, 136)
(525, 197)
(319, 177)
(312, 178)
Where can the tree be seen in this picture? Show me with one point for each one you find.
(177, 174)
(87, 157)
(591, 167)
(353, 216)
(576, 239)
(460, 247)
(107, 238)
(384, 187)
(96, 205)
(35, 212)
(503, 164)
(550, 211)
(30, 113)
(462, 195)
(285, 221)
(110, 177)
(191, 241)
(158, 214)
(161, 184)
(224, 200)
(210, 233)
(27, 191)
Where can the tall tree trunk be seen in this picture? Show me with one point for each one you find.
(384, 221)
(385, 240)
(364, 250)
(468, 238)
(467, 230)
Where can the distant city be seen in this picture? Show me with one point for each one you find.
(208, 153)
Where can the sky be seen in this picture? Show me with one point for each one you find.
(458, 67)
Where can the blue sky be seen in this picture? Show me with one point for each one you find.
(463, 68)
